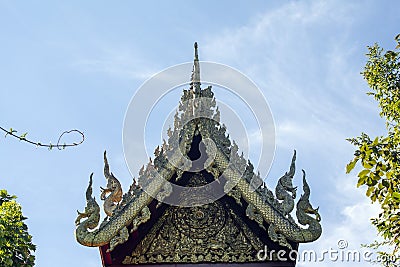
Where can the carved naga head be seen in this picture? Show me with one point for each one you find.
(304, 201)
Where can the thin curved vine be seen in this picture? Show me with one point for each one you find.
(50, 146)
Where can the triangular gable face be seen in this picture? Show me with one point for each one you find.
(218, 232)
(192, 235)
(197, 234)
(216, 214)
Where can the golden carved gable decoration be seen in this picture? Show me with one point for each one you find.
(208, 233)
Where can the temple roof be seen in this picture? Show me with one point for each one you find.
(198, 122)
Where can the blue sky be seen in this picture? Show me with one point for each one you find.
(77, 64)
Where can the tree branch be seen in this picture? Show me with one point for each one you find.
(50, 146)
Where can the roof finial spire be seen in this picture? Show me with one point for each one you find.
(196, 72)
(196, 55)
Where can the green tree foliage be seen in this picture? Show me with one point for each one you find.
(16, 246)
(379, 157)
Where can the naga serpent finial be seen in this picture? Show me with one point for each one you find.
(285, 186)
(113, 188)
(304, 208)
(92, 210)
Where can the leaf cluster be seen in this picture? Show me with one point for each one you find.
(382, 73)
(379, 157)
(16, 247)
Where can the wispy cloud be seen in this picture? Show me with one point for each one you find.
(301, 56)
(312, 87)
(122, 62)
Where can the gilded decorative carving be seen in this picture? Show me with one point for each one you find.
(143, 217)
(277, 237)
(165, 192)
(235, 193)
(252, 213)
(121, 238)
(200, 222)
(206, 233)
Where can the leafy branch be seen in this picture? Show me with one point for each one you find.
(22, 137)
(16, 247)
(379, 157)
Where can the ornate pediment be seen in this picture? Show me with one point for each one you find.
(207, 233)
(233, 211)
